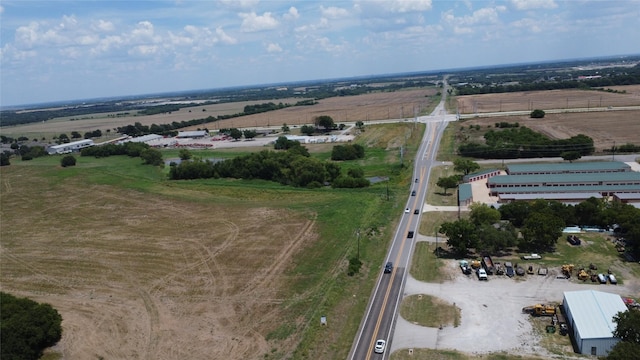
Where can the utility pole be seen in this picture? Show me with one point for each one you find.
(358, 233)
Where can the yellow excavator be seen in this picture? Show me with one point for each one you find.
(540, 310)
(567, 269)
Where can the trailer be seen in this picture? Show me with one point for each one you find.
(487, 264)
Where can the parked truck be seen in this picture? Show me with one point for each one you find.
(540, 310)
(487, 264)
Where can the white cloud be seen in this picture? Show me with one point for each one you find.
(143, 50)
(273, 48)
(239, 4)
(333, 12)
(530, 25)
(143, 32)
(292, 14)
(224, 37)
(103, 26)
(251, 22)
(534, 4)
(394, 6)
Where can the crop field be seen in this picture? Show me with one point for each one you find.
(606, 128)
(551, 99)
(374, 106)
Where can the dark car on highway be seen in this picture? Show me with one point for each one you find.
(388, 268)
(410, 234)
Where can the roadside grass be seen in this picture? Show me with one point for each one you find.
(431, 221)
(447, 149)
(435, 196)
(430, 311)
(425, 266)
(430, 354)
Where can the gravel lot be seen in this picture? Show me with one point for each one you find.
(492, 318)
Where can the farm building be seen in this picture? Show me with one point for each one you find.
(143, 139)
(568, 168)
(198, 134)
(465, 195)
(481, 175)
(566, 198)
(631, 199)
(590, 317)
(69, 147)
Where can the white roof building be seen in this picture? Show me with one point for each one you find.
(192, 134)
(69, 147)
(144, 138)
(590, 316)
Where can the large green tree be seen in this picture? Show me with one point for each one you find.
(483, 214)
(235, 133)
(448, 182)
(541, 231)
(325, 121)
(151, 157)
(628, 326)
(465, 166)
(461, 235)
(27, 328)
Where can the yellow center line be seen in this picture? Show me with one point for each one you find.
(396, 261)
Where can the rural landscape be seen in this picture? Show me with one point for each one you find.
(140, 266)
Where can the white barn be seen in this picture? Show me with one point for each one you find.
(69, 147)
(590, 316)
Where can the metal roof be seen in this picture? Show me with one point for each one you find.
(487, 171)
(593, 311)
(562, 189)
(195, 133)
(551, 196)
(565, 178)
(626, 196)
(465, 192)
(569, 167)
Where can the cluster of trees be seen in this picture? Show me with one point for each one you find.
(479, 232)
(149, 155)
(626, 148)
(540, 222)
(464, 166)
(236, 133)
(531, 83)
(347, 152)
(537, 114)
(27, 328)
(522, 142)
(5, 158)
(293, 166)
(28, 152)
(628, 331)
(260, 108)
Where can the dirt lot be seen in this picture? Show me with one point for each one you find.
(552, 99)
(491, 311)
(126, 294)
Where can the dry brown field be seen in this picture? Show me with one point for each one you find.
(144, 276)
(605, 127)
(374, 106)
(551, 99)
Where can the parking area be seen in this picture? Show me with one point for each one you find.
(492, 319)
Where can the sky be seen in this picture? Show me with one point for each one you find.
(58, 50)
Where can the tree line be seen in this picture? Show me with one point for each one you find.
(540, 223)
(522, 142)
(149, 155)
(292, 166)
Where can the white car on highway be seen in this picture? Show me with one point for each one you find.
(379, 347)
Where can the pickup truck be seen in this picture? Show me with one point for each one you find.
(482, 274)
(532, 257)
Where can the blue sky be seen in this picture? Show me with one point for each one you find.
(66, 50)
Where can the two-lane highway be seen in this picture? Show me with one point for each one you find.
(379, 318)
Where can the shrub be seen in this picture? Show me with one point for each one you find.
(68, 160)
(537, 114)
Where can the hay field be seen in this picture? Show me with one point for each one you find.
(551, 99)
(605, 128)
(138, 275)
(374, 106)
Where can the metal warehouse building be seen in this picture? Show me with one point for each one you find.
(590, 316)
(570, 168)
(69, 147)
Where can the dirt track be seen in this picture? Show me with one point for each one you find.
(126, 288)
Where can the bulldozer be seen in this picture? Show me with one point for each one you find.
(540, 310)
(583, 275)
(567, 269)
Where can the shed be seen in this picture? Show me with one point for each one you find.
(590, 316)
(198, 134)
(69, 147)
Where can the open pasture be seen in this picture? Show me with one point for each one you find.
(606, 128)
(550, 99)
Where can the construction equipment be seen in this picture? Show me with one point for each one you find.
(540, 310)
(475, 264)
(530, 270)
(583, 275)
(567, 269)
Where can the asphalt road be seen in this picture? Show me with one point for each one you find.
(381, 313)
